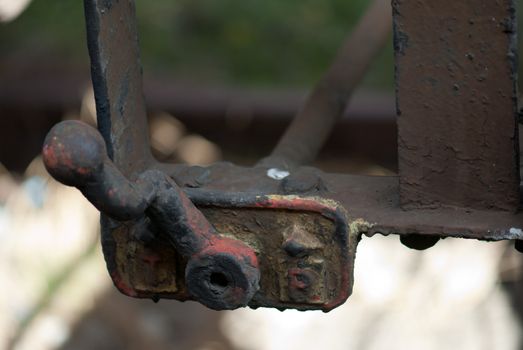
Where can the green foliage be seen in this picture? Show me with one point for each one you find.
(269, 42)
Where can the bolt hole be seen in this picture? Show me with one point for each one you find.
(218, 279)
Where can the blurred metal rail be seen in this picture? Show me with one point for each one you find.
(65, 90)
(31, 109)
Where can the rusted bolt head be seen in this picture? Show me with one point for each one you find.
(224, 276)
(305, 180)
(73, 152)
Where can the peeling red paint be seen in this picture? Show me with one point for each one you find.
(295, 282)
(50, 159)
(233, 247)
(122, 286)
(151, 259)
(295, 203)
(83, 171)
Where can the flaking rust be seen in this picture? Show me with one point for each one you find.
(304, 245)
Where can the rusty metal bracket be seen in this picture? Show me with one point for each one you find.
(281, 234)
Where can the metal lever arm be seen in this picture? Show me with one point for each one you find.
(75, 154)
(221, 273)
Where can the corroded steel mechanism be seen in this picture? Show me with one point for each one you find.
(281, 234)
(221, 272)
(159, 245)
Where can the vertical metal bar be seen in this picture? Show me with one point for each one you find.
(117, 80)
(456, 91)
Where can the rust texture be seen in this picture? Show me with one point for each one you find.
(305, 254)
(221, 272)
(230, 236)
(455, 84)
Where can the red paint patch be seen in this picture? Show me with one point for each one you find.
(50, 159)
(151, 259)
(294, 203)
(122, 286)
(296, 280)
(233, 247)
(83, 171)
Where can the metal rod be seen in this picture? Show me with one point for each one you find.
(116, 72)
(325, 105)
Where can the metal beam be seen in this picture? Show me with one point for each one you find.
(456, 103)
(117, 80)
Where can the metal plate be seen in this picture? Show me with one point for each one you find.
(304, 246)
(456, 89)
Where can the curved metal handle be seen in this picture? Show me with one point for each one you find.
(74, 153)
(221, 273)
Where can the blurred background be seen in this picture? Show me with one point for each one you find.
(222, 80)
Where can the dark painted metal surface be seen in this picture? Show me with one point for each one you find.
(456, 91)
(370, 201)
(231, 236)
(116, 72)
